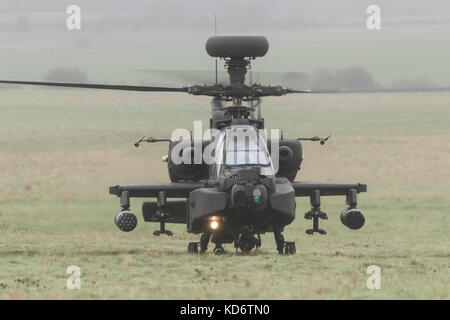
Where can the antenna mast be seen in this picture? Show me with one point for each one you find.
(215, 33)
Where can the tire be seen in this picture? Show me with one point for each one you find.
(289, 248)
(219, 250)
(193, 247)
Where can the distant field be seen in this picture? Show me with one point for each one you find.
(61, 149)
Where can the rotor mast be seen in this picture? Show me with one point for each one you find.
(237, 69)
(237, 52)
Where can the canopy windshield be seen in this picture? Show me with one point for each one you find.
(243, 147)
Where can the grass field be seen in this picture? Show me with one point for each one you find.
(61, 149)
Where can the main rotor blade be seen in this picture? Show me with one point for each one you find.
(96, 86)
(373, 90)
(188, 76)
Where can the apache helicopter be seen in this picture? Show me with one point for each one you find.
(241, 193)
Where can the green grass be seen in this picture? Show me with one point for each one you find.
(61, 149)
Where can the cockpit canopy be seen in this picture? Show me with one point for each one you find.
(243, 146)
(244, 149)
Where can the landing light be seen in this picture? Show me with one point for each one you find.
(214, 225)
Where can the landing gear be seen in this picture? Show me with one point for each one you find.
(204, 240)
(279, 240)
(283, 247)
(203, 244)
(289, 248)
(315, 213)
(193, 247)
(247, 241)
(219, 249)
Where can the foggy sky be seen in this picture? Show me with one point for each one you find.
(243, 15)
(30, 26)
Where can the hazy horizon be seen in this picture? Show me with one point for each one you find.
(118, 39)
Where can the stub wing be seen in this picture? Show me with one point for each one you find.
(304, 189)
(351, 217)
(158, 211)
(199, 200)
(172, 189)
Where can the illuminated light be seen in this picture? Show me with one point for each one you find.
(257, 195)
(214, 225)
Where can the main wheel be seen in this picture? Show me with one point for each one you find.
(247, 243)
(218, 250)
(193, 247)
(289, 248)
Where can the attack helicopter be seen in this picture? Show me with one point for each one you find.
(245, 186)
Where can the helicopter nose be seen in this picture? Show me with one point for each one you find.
(239, 195)
(243, 195)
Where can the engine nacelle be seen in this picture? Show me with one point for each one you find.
(189, 164)
(290, 156)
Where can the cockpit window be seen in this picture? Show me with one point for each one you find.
(250, 157)
(242, 148)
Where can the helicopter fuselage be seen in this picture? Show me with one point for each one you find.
(242, 189)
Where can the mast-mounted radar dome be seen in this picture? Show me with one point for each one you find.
(237, 46)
